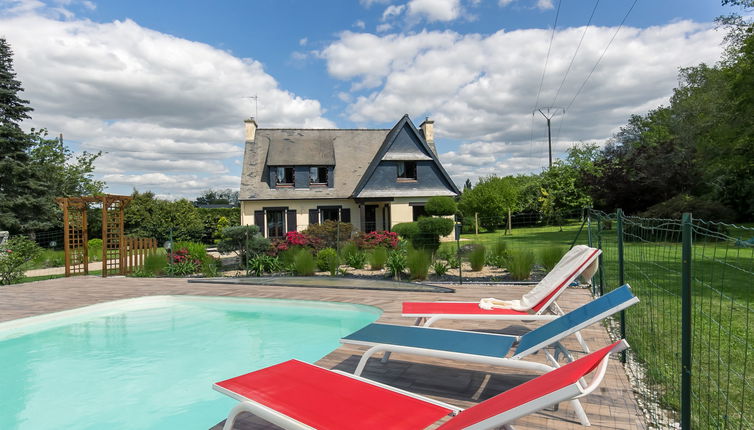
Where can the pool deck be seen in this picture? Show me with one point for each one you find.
(612, 406)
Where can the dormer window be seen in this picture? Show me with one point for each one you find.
(318, 176)
(406, 171)
(285, 177)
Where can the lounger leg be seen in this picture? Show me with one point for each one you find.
(365, 357)
(576, 404)
(419, 321)
(232, 416)
(385, 358)
(582, 342)
(508, 427)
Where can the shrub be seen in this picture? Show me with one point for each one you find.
(295, 240)
(328, 261)
(520, 264)
(196, 251)
(418, 262)
(374, 239)
(440, 268)
(406, 230)
(477, 258)
(183, 267)
(14, 256)
(303, 263)
(94, 249)
(260, 264)
(210, 267)
(700, 208)
(430, 230)
(550, 256)
(353, 256)
(244, 240)
(441, 205)
(330, 233)
(155, 264)
(499, 255)
(454, 262)
(396, 263)
(445, 253)
(378, 258)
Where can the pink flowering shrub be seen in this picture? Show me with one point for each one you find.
(293, 239)
(371, 240)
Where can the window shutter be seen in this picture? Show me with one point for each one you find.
(259, 221)
(345, 215)
(291, 220)
(313, 216)
(273, 176)
(330, 177)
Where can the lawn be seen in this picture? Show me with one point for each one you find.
(722, 320)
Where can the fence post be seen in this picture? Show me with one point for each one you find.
(601, 266)
(686, 232)
(621, 275)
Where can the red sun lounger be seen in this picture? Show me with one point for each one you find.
(536, 305)
(296, 395)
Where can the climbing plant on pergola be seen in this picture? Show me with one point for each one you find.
(75, 235)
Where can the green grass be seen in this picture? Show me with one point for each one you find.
(46, 277)
(722, 319)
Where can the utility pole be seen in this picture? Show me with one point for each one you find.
(554, 110)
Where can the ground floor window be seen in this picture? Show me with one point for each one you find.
(275, 223)
(418, 211)
(330, 214)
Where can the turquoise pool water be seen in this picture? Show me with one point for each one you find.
(150, 363)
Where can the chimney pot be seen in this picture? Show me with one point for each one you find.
(250, 126)
(428, 130)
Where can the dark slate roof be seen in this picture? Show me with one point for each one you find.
(353, 151)
(300, 148)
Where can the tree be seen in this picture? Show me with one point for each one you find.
(492, 198)
(65, 173)
(148, 216)
(23, 196)
(218, 197)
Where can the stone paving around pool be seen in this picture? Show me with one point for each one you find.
(611, 406)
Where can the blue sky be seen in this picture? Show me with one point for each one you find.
(160, 85)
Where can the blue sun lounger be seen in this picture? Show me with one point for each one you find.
(488, 348)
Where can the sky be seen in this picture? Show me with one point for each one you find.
(162, 87)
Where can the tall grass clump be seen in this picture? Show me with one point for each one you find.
(303, 263)
(378, 258)
(418, 262)
(440, 267)
(550, 256)
(477, 257)
(353, 256)
(328, 261)
(396, 263)
(520, 264)
(155, 264)
(499, 254)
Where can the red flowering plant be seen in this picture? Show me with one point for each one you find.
(371, 240)
(294, 239)
(182, 263)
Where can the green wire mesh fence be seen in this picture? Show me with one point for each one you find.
(711, 329)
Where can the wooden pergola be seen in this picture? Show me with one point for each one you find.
(75, 236)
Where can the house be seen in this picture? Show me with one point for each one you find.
(371, 178)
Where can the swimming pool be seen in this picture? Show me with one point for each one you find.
(150, 362)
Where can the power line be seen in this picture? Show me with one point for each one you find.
(542, 79)
(557, 93)
(603, 54)
(547, 57)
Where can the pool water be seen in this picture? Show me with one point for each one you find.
(150, 363)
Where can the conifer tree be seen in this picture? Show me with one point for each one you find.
(23, 200)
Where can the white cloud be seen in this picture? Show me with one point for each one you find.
(504, 3)
(369, 3)
(544, 5)
(482, 88)
(303, 41)
(393, 11)
(154, 102)
(384, 27)
(435, 10)
(359, 24)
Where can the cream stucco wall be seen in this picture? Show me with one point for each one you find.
(400, 210)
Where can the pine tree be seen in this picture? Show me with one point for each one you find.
(24, 204)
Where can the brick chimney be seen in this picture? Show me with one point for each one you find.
(250, 129)
(428, 130)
